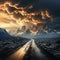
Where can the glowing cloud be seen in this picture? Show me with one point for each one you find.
(11, 14)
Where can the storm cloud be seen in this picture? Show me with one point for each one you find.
(32, 12)
(52, 5)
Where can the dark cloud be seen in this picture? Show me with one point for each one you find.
(3, 1)
(52, 5)
(11, 9)
(18, 15)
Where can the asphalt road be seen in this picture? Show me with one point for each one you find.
(29, 51)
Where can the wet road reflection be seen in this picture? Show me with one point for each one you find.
(29, 51)
(19, 54)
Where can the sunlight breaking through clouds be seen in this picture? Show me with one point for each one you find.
(12, 15)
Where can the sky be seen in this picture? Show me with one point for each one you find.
(30, 15)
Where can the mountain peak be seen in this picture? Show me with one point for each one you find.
(2, 30)
(3, 33)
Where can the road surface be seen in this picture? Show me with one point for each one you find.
(29, 51)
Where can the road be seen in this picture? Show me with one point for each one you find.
(29, 51)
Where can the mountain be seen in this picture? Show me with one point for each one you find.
(4, 34)
(48, 34)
